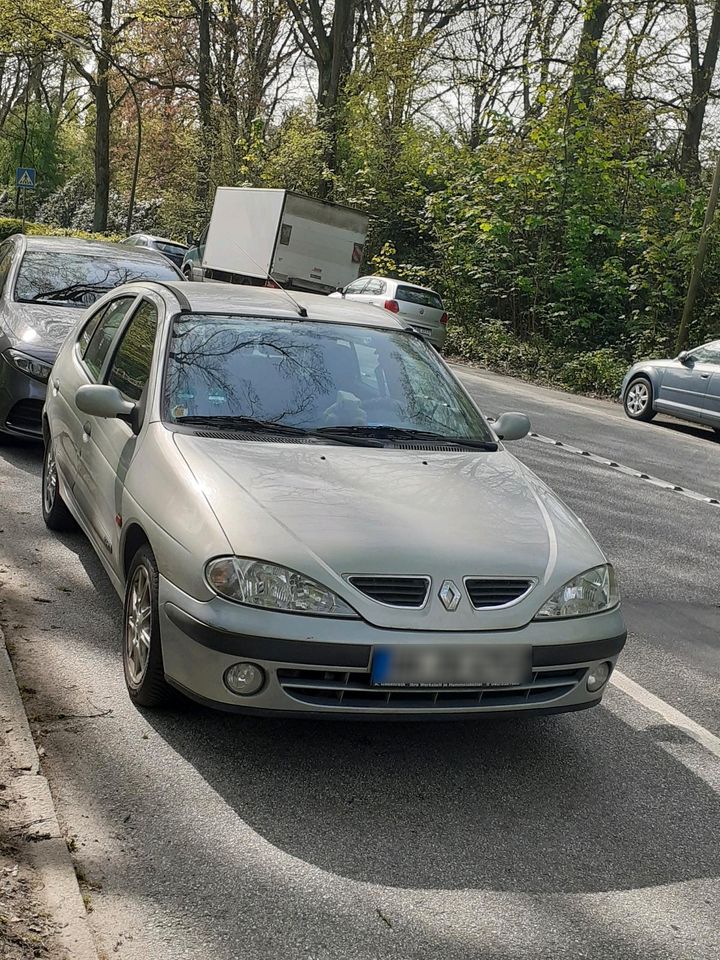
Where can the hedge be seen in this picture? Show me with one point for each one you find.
(11, 225)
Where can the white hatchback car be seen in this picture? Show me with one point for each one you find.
(414, 306)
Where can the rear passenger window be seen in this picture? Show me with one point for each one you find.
(424, 298)
(99, 333)
(130, 369)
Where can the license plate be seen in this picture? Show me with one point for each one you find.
(451, 666)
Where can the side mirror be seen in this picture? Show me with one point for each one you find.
(684, 357)
(103, 400)
(190, 239)
(512, 426)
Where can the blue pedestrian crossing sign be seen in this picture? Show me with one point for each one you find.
(25, 178)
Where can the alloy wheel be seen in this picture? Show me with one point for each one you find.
(138, 625)
(638, 398)
(50, 480)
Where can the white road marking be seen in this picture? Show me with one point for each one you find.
(621, 468)
(672, 716)
(628, 471)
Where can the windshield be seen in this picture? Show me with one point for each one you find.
(78, 280)
(313, 376)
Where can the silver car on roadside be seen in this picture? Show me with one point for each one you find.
(687, 387)
(306, 513)
(45, 283)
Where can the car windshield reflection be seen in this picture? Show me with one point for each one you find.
(78, 280)
(313, 376)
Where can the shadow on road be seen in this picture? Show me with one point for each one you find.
(688, 429)
(564, 805)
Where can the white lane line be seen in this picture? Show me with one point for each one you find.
(668, 713)
(627, 471)
(621, 468)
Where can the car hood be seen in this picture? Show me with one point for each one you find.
(333, 511)
(39, 328)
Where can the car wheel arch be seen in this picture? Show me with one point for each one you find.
(135, 537)
(642, 375)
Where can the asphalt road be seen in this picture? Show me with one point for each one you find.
(218, 838)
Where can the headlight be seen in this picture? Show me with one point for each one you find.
(272, 587)
(591, 592)
(33, 367)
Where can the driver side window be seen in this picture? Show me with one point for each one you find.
(130, 367)
(710, 353)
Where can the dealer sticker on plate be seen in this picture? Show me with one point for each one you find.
(452, 665)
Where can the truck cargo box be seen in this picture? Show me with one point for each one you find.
(303, 244)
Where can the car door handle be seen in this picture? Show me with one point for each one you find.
(705, 376)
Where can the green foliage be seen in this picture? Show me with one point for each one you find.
(569, 248)
(598, 372)
(11, 225)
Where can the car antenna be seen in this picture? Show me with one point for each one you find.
(302, 311)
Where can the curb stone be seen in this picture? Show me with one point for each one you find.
(46, 848)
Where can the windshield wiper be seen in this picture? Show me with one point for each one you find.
(252, 424)
(242, 423)
(406, 433)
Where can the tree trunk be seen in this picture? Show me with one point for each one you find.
(703, 72)
(332, 74)
(102, 121)
(584, 79)
(202, 188)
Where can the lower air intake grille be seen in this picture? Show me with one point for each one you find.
(335, 688)
(393, 591)
(491, 592)
(26, 415)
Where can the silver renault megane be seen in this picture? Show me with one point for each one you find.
(306, 513)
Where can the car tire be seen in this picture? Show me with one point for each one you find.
(54, 509)
(141, 650)
(638, 399)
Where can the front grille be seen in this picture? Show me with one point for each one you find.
(334, 688)
(26, 415)
(393, 591)
(491, 592)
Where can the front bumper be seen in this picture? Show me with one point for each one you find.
(21, 402)
(318, 666)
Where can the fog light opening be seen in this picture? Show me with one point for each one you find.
(598, 676)
(244, 679)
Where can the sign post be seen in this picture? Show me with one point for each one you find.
(25, 179)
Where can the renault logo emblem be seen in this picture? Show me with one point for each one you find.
(449, 595)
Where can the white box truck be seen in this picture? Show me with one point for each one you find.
(303, 244)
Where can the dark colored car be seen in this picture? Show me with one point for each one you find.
(169, 248)
(45, 285)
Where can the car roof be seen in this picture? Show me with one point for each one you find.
(261, 301)
(400, 283)
(151, 236)
(175, 243)
(88, 247)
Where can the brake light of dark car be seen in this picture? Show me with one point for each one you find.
(393, 306)
(444, 319)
